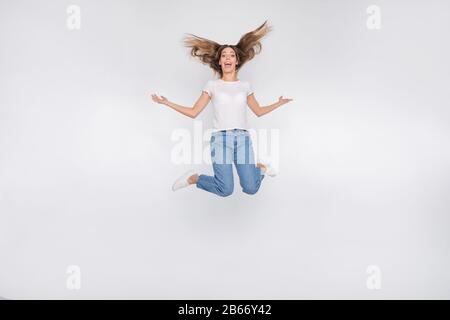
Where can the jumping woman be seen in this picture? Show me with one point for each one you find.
(230, 140)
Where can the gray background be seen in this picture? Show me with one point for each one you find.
(85, 169)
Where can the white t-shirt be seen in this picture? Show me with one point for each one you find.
(229, 99)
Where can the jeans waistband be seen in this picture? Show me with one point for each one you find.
(230, 131)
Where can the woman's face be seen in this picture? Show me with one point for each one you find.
(228, 60)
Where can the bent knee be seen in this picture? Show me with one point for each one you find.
(225, 192)
(250, 189)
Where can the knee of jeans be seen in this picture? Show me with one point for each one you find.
(226, 191)
(250, 189)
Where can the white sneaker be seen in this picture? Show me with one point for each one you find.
(182, 181)
(270, 169)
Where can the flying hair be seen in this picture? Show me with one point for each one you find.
(208, 51)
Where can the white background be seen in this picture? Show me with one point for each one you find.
(86, 172)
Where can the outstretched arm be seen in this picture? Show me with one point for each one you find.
(193, 112)
(260, 111)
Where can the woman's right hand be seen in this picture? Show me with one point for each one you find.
(162, 100)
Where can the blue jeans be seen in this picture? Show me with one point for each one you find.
(228, 147)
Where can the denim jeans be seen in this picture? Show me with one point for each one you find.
(228, 147)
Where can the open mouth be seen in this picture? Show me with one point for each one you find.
(227, 64)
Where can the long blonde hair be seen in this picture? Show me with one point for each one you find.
(209, 51)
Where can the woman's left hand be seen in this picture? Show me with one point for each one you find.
(284, 100)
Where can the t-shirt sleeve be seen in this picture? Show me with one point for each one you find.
(208, 87)
(249, 89)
